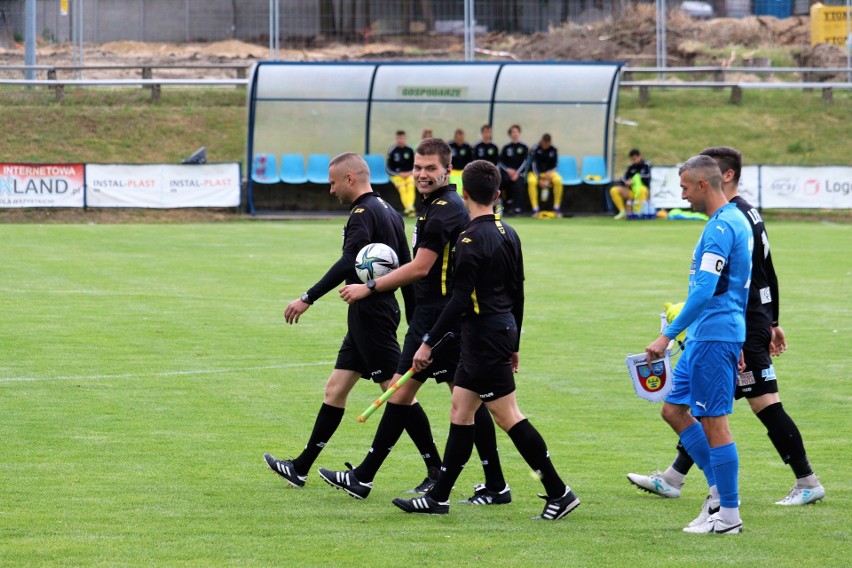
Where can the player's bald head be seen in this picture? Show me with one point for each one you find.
(350, 163)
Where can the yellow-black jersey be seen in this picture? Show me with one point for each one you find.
(441, 220)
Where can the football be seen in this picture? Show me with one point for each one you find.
(375, 260)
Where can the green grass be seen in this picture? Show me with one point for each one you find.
(146, 368)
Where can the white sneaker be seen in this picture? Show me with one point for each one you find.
(803, 495)
(714, 525)
(708, 509)
(655, 484)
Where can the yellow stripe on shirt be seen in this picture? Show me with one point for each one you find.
(475, 303)
(444, 269)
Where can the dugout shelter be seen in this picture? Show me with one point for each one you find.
(326, 108)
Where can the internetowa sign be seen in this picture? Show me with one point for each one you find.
(42, 185)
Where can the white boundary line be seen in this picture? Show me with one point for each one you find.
(162, 374)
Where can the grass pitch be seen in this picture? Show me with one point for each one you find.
(146, 368)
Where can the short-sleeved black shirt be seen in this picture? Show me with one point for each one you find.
(486, 151)
(400, 159)
(462, 155)
(544, 160)
(489, 277)
(514, 156)
(441, 220)
(762, 310)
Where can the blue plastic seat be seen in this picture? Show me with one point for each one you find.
(567, 170)
(318, 168)
(293, 169)
(378, 172)
(264, 169)
(594, 171)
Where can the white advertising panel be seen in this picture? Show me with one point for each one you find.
(666, 192)
(163, 186)
(787, 187)
(41, 185)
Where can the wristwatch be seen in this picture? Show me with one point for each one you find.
(305, 298)
(371, 285)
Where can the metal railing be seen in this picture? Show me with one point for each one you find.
(155, 85)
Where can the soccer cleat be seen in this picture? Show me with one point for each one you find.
(484, 496)
(428, 482)
(655, 484)
(285, 469)
(803, 495)
(347, 481)
(708, 509)
(620, 215)
(557, 508)
(424, 505)
(714, 525)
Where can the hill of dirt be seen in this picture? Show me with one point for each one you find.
(627, 36)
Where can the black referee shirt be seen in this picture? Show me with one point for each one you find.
(441, 220)
(489, 277)
(486, 151)
(462, 155)
(400, 159)
(371, 220)
(762, 310)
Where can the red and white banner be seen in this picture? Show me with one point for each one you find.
(41, 185)
(800, 187)
(163, 186)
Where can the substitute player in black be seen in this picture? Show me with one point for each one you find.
(514, 158)
(400, 160)
(370, 349)
(486, 149)
(757, 382)
(488, 300)
(544, 157)
(438, 226)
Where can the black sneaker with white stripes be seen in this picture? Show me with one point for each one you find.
(557, 508)
(285, 469)
(347, 481)
(428, 483)
(424, 505)
(484, 496)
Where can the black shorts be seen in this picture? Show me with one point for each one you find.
(487, 344)
(758, 378)
(370, 346)
(446, 357)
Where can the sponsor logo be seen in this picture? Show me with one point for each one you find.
(466, 240)
(783, 186)
(768, 374)
(432, 92)
(811, 187)
(703, 405)
(486, 395)
(722, 229)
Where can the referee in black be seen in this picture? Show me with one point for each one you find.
(439, 223)
(488, 300)
(370, 349)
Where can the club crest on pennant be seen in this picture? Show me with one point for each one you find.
(650, 382)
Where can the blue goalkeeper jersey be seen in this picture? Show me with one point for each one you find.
(719, 280)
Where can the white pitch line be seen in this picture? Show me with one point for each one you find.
(162, 374)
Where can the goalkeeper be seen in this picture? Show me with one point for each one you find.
(634, 186)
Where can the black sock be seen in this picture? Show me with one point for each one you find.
(533, 449)
(486, 447)
(387, 434)
(786, 438)
(418, 428)
(682, 462)
(458, 450)
(328, 419)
